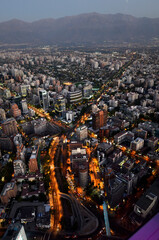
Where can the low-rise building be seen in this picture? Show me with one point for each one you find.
(106, 148)
(123, 136)
(148, 202)
(137, 144)
(145, 204)
(82, 133)
(139, 132)
(152, 142)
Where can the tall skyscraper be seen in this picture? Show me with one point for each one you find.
(87, 91)
(78, 157)
(9, 127)
(44, 99)
(60, 105)
(17, 99)
(24, 89)
(20, 147)
(24, 106)
(115, 191)
(83, 176)
(33, 161)
(99, 119)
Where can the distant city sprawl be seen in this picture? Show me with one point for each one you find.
(79, 142)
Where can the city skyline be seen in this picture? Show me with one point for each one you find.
(32, 11)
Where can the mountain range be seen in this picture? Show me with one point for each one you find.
(84, 28)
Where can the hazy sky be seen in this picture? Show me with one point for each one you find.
(31, 10)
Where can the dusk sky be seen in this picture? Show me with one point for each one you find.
(30, 10)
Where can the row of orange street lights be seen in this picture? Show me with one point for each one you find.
(43, 114)
(134, 154)
(54, 193)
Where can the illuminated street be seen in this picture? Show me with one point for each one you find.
(54, 194)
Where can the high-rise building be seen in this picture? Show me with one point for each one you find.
(83, 176)
(87, 91)
(82, 133)
(19, 167)
(94, 108)
(78, 157)
(60, 105)
(9, 127)
(33, 161)
(99, 119)
(15, 231)
(15, 111)
(7, 93)
(74, 97)
(24, 106)
(18, 140)
(103, 106)
(24, 90)
(2, 115)
(17, 99)
(44, 99)
(115, 190)
(20, 147)
(69, 116)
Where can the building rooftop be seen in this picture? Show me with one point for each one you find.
(144, 202)
(8, 120)
(138, 140)
(153, 139)
(104, 146)
(120, 134)
(115, 183)
(27, 212)
(7, 187)
(81, 128)
(81, 151)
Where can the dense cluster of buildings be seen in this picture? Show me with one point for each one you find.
(111, 132)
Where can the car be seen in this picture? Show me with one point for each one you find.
(74, 236)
